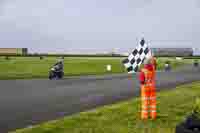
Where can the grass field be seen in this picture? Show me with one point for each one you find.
(173, 106)
(33, 67)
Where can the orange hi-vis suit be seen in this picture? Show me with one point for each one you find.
(154, 63)
(148, 91)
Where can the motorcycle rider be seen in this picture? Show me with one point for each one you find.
(59, 65)
(59, 68)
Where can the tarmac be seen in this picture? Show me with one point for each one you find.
(25, 103)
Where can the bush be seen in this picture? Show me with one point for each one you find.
(167, 62)
(196, 63)
(41, 57)
(7, 58)
(192, 122)
(196, 108)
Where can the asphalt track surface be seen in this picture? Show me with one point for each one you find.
(29, 102)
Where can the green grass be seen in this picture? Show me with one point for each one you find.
(173, 107)
(33, 67)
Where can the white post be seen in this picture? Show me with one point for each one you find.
(108, 67)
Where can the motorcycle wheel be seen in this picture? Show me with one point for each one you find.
(51, 75)
(60, 75)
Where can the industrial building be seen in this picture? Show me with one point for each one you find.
(13, 51)
(172, 51)
(167, 52)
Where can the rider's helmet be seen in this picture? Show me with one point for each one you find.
(60, 60)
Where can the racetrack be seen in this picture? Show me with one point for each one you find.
(28, 102)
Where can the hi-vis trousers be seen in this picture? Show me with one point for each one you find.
(148, 101)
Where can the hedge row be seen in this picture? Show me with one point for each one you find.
(83, 55)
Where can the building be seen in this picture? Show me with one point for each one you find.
(13, 51)
(196, 51)
(173, 51)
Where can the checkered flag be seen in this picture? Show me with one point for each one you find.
(136, 58)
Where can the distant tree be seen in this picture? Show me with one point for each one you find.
(35, 54)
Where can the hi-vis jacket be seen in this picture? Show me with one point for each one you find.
(148, 92)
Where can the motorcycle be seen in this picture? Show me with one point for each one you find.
(167, 67)
(55, 73)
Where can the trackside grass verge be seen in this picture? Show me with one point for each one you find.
(173, 106)
(33, 67)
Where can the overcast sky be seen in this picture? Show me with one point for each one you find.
(78, 25)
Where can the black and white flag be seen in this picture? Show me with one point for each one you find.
(136, 58)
